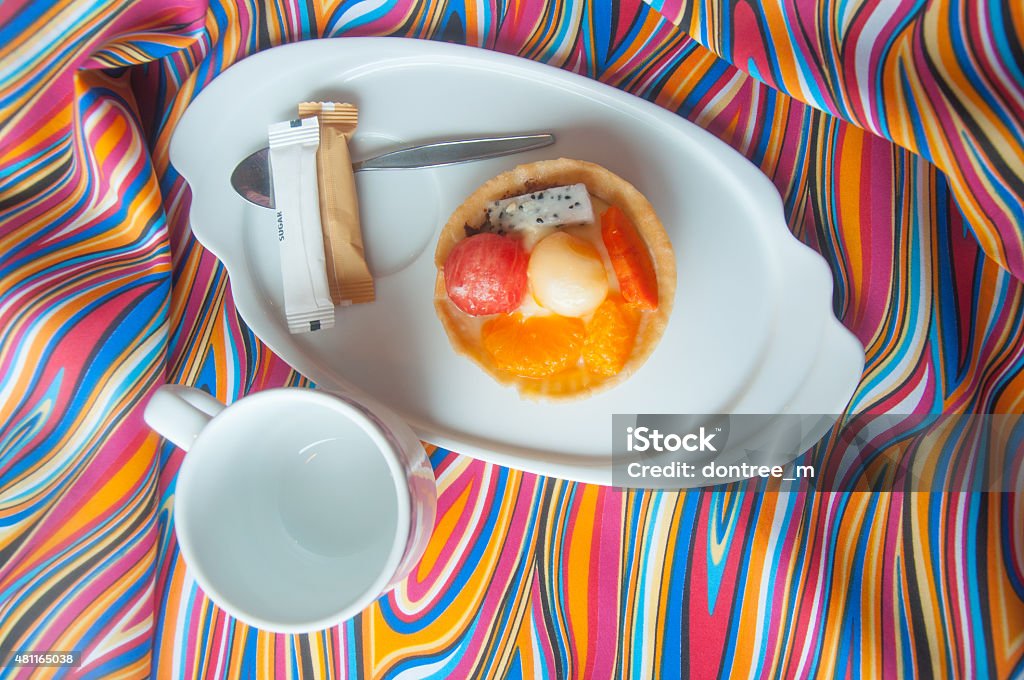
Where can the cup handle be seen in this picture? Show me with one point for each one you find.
(180, 413)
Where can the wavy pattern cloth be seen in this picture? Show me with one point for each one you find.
(104, 295)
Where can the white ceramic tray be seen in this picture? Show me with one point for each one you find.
(753, 306)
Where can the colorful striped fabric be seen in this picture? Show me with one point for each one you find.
(104, 295)
(943, 79)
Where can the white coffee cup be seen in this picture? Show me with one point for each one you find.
(295, 508)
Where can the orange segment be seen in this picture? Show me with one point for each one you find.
(634, 269)
(611, 333)
(533, 347)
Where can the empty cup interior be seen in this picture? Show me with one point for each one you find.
(293, 515)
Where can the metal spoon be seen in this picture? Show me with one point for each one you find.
(251, 177)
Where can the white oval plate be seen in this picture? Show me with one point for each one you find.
(752, 303)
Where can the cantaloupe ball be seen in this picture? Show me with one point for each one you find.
(566, 275)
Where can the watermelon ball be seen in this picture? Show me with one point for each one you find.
(486, 274)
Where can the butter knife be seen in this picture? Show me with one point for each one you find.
(251, 177)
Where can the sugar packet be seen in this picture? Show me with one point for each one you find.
(307, 297)
(347, 272)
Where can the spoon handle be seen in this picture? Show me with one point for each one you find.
(449, 153)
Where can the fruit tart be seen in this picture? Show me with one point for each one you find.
(555, 277)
